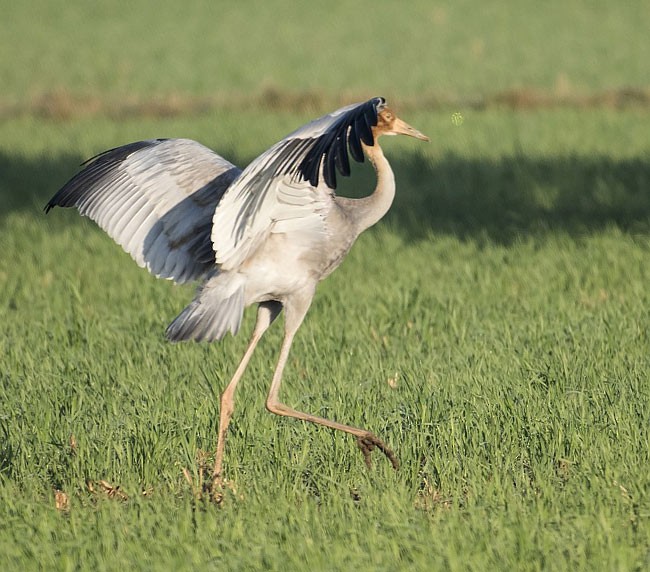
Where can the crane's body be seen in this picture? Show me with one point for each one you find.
(265, 235)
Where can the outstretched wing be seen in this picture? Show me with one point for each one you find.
(285, 187)
(156, 199)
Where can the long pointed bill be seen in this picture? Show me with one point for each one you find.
(404, 128)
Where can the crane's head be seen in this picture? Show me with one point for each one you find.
(389, 124)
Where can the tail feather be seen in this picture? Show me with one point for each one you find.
(217, 309)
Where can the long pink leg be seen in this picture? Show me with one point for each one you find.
(367, 441)
(266, 313)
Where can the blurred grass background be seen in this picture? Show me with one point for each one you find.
(122, 49)
(493, 328)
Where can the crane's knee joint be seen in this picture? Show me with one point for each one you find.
(270, 406)
(276, 407)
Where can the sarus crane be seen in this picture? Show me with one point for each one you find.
(266, 235)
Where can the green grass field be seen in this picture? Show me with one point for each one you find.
(494, 328)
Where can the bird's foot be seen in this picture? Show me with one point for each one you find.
(221, 487)
(211, 488)
(368, 442)
(217, 488)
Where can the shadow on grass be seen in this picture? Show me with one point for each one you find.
(473, 199)
(501, 200)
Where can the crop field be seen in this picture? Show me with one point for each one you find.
(494, 328)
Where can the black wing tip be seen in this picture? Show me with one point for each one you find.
(59, 200)
(354, 127)
(68, 195)
(122, 152)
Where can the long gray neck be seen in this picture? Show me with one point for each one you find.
(369, 210)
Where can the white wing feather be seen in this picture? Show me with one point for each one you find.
(156, 199)
(272, 196)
